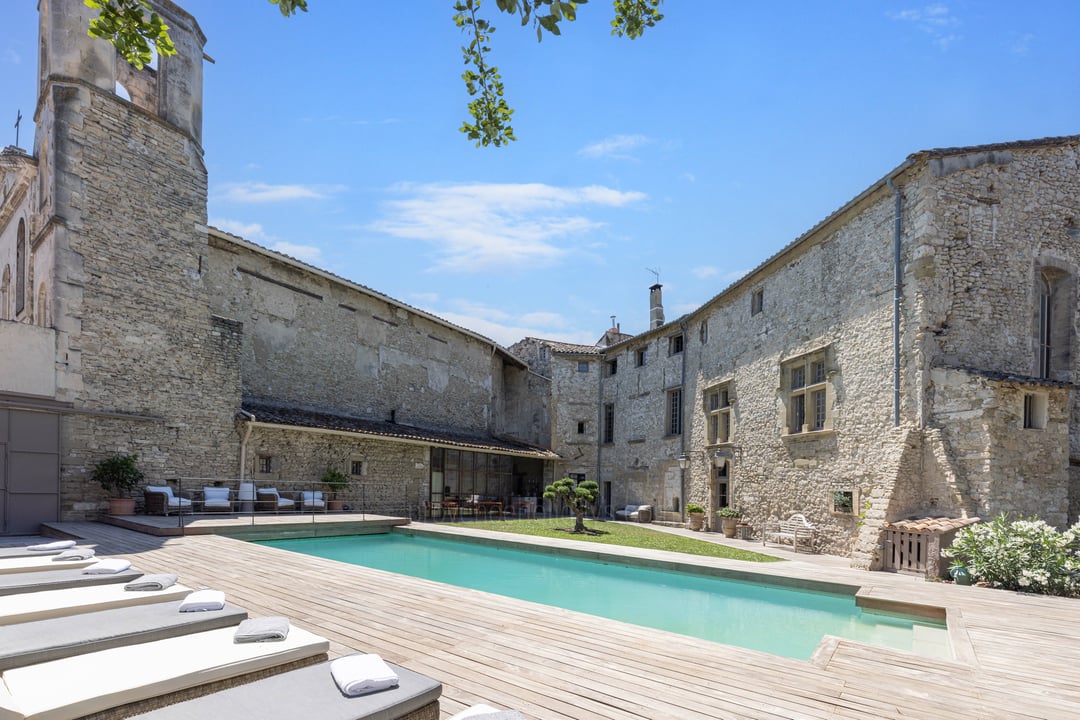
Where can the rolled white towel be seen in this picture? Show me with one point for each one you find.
(158, 581)
(74, 554)
(203, 600)
(362, 674)
(111, 566)
(53, 546)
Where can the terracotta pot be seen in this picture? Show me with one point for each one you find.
(335, 505)
(727, 526)
(121, 506)
(697, 520)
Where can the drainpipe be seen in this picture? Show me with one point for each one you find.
(682, 420)
(896, 301)
(600, 422)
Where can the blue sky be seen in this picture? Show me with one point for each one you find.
(697, 151)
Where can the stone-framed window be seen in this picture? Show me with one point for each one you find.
(757, 301)
(356, 467)
(1052, 322)
(1036, 410)
(676, 344)
(807, 390)
(582, 366)
(581, 425)
(264, 464)
(843, 502)
(609, 423)
(718, 406)
(703, 332)
(612, 366)
(674, 411)
(20, 269)
(641, 356)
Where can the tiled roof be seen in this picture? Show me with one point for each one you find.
(276, 414)
(572, 349)
(992, 147)
(930, 524)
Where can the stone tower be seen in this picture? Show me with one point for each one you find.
(121, 217)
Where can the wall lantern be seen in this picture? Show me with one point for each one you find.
(684, 462)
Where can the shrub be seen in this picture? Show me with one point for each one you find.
(1026, 555)
(694, 508)
(118, 475)
(728, 512)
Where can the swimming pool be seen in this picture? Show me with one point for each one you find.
(756, 615)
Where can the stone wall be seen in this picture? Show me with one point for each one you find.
(317, 341)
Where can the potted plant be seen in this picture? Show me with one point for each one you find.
(729, 518)
(337, 481)
(118, 476)
(696, 513)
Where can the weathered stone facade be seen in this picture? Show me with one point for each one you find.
(952, 251)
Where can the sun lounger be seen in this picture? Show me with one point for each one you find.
(483, 712)
(65, 577)
(27, 607)
(25, 551)
(40, 564)
(28, 643)
(311, 692)
(144, 676)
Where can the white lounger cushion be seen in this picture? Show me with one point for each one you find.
(44, 604)
(90, 683)
(41, 563)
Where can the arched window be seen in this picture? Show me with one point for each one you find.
(20, 269)
(1052, 331)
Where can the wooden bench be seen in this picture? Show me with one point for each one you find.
(796, 531)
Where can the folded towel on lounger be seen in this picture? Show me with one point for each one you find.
(74, 554)
(160, 581)
(362, 674)
(499, 715)
(265, 629)
(203, 600)
(107, 567)
(50, 547)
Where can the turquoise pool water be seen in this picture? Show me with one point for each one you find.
(760, 616)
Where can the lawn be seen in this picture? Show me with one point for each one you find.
(620, 534)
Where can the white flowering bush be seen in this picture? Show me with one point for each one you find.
(1023, 555)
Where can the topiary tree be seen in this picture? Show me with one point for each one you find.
(118, 475)
(580, 496)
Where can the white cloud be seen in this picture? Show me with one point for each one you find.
(306, 253)
(705, 271)
(12, 57)
(249, 231)
(617, 147)
(257, 192)
(482, 226)
(1022, 44)
(936, 20)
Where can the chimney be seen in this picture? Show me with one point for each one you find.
(656, 307)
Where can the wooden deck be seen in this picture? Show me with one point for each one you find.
(1017, 655)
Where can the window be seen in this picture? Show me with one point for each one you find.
(641, 357)
(807, 394)
(609, 423)
(5, 290)
(1053, 330)
(675, 344)
(582, 366)
(757, 301)
(718, 414)
(674, 412)
(576, 477)
(357, 468)
(703, 332)
(265, 463)
(581, 427)
(612, 366)
(543, 352)
(723, 485)
(1035, 411)
(20, 270)
(843, 502)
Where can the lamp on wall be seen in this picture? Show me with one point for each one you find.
(684, 461)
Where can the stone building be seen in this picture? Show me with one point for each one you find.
(127, 325)
(912, 355)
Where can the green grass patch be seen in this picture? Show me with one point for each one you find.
(619, 534)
